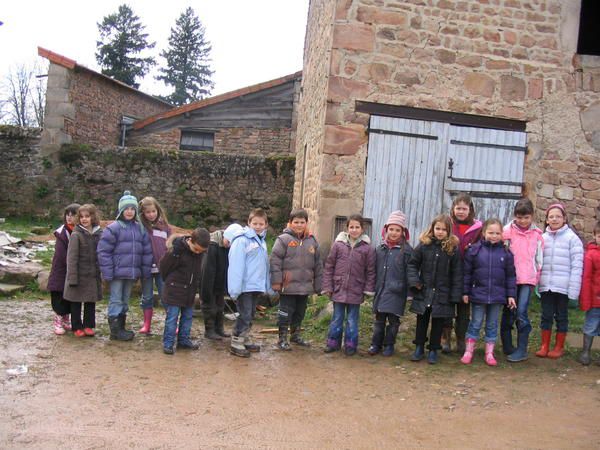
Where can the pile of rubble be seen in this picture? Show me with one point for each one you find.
(17, 263)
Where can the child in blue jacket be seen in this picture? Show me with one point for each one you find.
(124, 255)
(248, 277)
(489, 283)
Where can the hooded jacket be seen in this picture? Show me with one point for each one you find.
(83, 282)
(563, 262)
(56, 280)
(350, 270)
(391, 287)
(124, 251)
(181, 270)
(472, 235)
(527, 247)
(248, 264)
(296, 264)
(489, 273)
(590, 286)
(158, 232)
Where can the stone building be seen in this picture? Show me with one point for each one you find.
(405, 103)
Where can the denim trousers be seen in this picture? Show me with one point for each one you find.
(292, 309)
(147, 301)
(591, 326)
(118, 302)
(555, 308)
(344, 322)
(185, 325)
(490, 313)
(518, 315)
(385, 329)
(246, 306)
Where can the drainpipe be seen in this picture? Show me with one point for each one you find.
(126, 123)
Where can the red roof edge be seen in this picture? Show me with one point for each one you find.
(216, 99)
(56, 58)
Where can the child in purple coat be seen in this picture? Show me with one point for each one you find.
(349, 275)
(124, 255)
(489, 283)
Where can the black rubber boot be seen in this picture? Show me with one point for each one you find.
(219, 327)
(128, 334)
(586, 358)
(419, 353)
(237, 347)
(297, 339)
(116, 332)
(283, 343)
(210, 332)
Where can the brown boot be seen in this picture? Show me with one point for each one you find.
(446, 339)
(543, 351)
(558, 346)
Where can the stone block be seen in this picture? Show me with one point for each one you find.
(376, 72)
(590, 118)
(590, 185)
(42, 280)
(512, 88)
(354, 36)
(545, 190)
(480, 84)
(445, 56)
(344, 140)
(341, 89)
(470, 61)
(376, 15)
(564, 193)
(497, 65)
(407, 79)
(536, 88)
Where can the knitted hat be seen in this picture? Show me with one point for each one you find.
(396, 218)
(232, 231)
(127, 201)
(558, 206)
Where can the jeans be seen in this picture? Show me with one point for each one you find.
(185, 325)
(89, 315)
(591, 326)
(292, 309)
(382, 334)
(147, 301)
(344, 321)
(118, 302)
(555, 307)
(490, 312)
(518, 315)
(437, 323)
(246, 306)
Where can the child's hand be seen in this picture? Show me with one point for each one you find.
(511, 303)
(276, 287)
(465, 299)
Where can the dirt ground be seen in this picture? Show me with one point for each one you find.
(93, 393)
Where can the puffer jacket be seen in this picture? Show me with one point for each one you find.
(296, 264)
(563, 262)
(590, 286)
(158, 232)
(58, 272)
(181, 270)
(248, 264)
(350, 270)
(440, 276)
(489, 273)
(124, 251)
(472, 235)
(83, 283)
(527, 247)
(391, 286)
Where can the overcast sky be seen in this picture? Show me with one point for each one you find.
(252, 40)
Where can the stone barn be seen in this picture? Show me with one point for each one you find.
(405, 103)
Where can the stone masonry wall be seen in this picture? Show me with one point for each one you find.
(501, 58)
(100, 105)
(196, 188)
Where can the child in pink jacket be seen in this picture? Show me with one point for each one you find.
(524, 239)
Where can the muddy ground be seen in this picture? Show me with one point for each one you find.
(93, 393)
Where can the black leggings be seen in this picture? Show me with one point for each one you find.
(89, 315)
(59, 305)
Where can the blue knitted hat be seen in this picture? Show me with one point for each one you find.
(127, 201)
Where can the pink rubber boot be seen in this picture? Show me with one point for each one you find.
(58, 326)
(147, 321)
(489, 354)
(469, 349)
(66, 322)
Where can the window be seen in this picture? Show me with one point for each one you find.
(197, 140)
(589, 37)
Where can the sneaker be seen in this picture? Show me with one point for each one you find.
(59, 329)
(373, 350)
(252, 347)
(168, 350)
(284, 345)
(78, 333)
(89, 332)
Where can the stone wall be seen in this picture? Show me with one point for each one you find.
(245, 141)
(501, 58)
(196, 188)
(84, 107)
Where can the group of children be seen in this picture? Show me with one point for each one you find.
(462, 271)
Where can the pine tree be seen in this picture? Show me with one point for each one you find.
(122, 39)
(187, 57)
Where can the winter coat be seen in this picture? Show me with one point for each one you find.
(489, 273)
(159, 232)
(214, 268)
(248, 264)
(472, 235)
(350, 271)
(391, 286)
(181, 270)
(125, 252)
(527, 247)
(83, 282)
(440, 276)
(58, 272)
(590, 286)
(296, 264)
(563, 262)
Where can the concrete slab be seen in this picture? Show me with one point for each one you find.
(9, 289)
